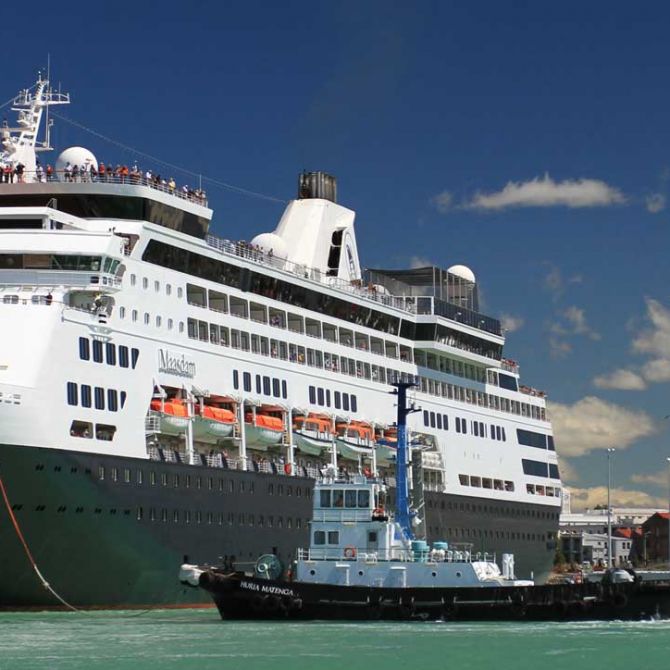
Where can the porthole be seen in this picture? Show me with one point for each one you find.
(360, 573)
(459, 574)
(312, 572)
(433, 573)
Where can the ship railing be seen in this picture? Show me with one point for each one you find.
(529, 390)
(80, 278)
(342, 515)
(242, 249)
(196, 196)
(152, 423)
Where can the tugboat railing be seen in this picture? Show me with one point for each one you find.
(365, 555)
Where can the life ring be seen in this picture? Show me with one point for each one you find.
(287, 468)
(367, 472)
(378, 511)
(350, 552)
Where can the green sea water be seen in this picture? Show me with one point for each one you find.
(199, 640)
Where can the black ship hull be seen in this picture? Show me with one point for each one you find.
(240, 597)
(136, 521)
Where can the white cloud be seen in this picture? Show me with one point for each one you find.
(559, 348)
(569, 473)
(545, 192)
(511, 323)
(658, 479)
(556, 284)
(577, 320)
(588, 498)
(443, 201)
(655, 341)
(592, 424)
(655, 203)
(622, 380)
(419, 262)
(657, 370)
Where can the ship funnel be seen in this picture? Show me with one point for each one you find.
(317, 185)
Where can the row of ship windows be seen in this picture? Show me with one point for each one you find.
(486, 483)
(472, 533)
(269, 386)
(135, 315)
(239, 307)
(187, 516)
(540, 469)
(321, 397)
(258, 344)
(481, 399)
(87, 430)
(157, 286)
(221, 335)
(478, 428)
(95, 396)
(106, 352)
(493, 509)
(538, 490)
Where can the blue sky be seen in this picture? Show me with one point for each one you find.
(528, 140)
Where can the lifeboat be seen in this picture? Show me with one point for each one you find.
(354, 439)
(211, 424)
(172, 414)
(263, 430)
(313, 434)
(386, 445)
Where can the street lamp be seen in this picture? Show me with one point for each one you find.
(610, 562)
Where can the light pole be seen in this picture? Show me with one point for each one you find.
(610, 451)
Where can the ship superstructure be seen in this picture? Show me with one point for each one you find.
(169, 396)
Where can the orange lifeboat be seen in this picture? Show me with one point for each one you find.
(213, 423)
(313, 434)
(172, 414)
(354, 439)
(265, 429)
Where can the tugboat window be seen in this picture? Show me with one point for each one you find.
(364, 499)
(325, 499)
(338, 498)
(333, 537)
(319, 537)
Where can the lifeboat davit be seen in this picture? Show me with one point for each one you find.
(263, 430)
(211, 424)
(172, 414)
(313, 434)
(354, 439)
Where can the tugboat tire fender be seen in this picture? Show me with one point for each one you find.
(620, 600)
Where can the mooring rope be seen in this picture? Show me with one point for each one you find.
(17, 528)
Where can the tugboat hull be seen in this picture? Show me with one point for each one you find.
(240, 597)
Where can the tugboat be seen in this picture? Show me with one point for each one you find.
(364, 563)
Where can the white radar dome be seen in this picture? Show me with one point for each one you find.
(75, 156)
(463, 272)
(271, 242)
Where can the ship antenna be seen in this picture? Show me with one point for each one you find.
(402, 458)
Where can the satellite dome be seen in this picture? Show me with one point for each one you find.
(75, 156)
(463, 272)
(271, 242)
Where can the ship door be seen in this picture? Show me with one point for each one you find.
(373, 540)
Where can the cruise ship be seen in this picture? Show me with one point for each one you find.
(168, 396)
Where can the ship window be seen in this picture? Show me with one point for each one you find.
(170, 324)
(534, 468)
(312, 395)
(276, 391)
(134, 355)
(267, 388)
(105, 432)
(246, 378)
(338, 498)
(123, 356)
(327, 398)
(319, 395)
(354, 404)
(439, 421)
(295, 323)
(553, 471)
(152, 478)
(168, 289)
(531, 439)
(145, 282)
(319, 537)
(134, 315)
(81, 429)
(133, 280)
(85, 395)
(112, 400)
(364, 499)
(72, 395)
(110, 351)
(464, 480)
(345, 402)
(122, 312)
(333, 537)
(313, 328)
(475, 425)
(338, 399)
(97, 351)
(239, 307)
(258, 384)
(180, 291)
(432, 419)
(350, 498)
(346, 337)
(425, 417)
(123, 395)
(99, 395)
(84, 349)
(284, 389)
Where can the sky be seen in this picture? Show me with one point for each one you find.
(527, 140)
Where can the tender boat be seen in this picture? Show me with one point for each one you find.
(354, 439)
(313, 434)
(172, 414)
(211, 424)
(263, 429)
